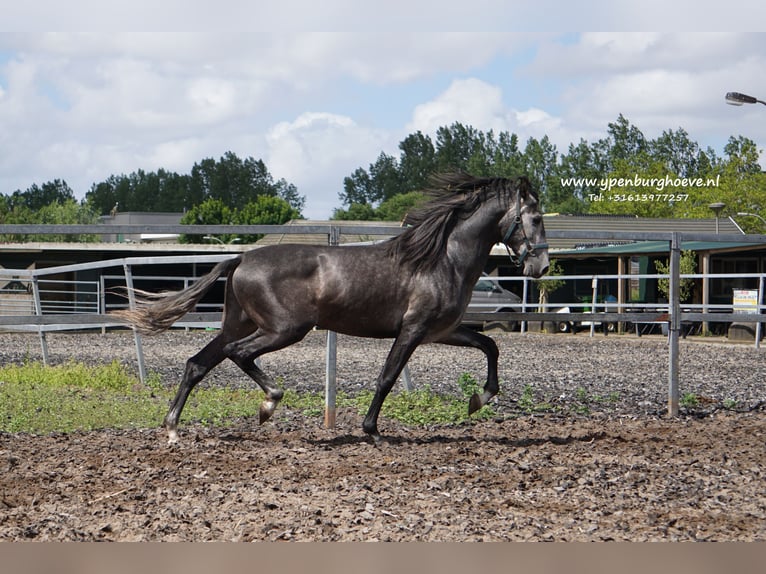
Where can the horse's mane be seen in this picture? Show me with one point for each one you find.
(453, 197)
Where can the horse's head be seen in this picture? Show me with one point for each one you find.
(523, 231)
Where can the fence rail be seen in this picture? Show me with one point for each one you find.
(41, 320)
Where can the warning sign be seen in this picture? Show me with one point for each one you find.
(745, 300)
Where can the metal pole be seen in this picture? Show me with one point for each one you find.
(136, 334)
(39, 312)
(675, 323)
(330, 379)
(758, 310)
(331, 357)
(524, 303)
(407, 378)
(594, 286)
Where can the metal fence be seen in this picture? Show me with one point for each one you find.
(36, 303)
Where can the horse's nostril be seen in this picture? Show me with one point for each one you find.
(544, 271)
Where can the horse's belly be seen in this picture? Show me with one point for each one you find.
(372, 321)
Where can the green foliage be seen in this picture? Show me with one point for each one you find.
(265, 210)
(230, 179)
(60, 212)
(528, 403)
(41, 399)
(687, 265)
(625, 153)
(546, 286)
(393, 209)
(689, 401)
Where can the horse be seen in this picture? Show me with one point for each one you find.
(412, 288)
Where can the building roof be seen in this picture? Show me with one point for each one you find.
(354, 236)
(657, 248)
(618, 223)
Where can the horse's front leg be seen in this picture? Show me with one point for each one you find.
(465, 337)
(400, 353)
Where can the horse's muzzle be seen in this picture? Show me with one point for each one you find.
(536, 266)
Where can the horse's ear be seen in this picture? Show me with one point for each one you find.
(524, 186)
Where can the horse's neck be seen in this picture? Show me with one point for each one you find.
(471, 242)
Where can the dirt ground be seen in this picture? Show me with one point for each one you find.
(529, 478)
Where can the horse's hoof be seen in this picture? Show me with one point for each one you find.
(172, 437)
(377, 440)
(475, 403)
(267, 409)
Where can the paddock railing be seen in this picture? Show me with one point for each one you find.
(36, 302)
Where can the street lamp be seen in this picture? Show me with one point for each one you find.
(745, 214)
(717, 207)
(216, 239)
(737, 99)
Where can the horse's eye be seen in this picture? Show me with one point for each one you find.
(537, 219)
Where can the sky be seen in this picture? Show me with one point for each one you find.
(315, 106)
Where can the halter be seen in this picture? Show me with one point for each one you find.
(527, 248)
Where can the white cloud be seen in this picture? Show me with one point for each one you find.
(316, 150)
(468, 101)
(85, 106)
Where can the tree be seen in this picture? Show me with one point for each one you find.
(264, 210)
(356, 188)
(395, 208)
(539, 160)
(55, 213)
(547, 285)
(687, 265)
(571, 180)
(209, 212)
(455, 145)
(36, 197)
(234, 181)
(417, 161)
(355, 212)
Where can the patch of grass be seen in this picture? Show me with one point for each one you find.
(689, 400)
(423, 407)
(529, 404)
(41, 399)
(584, 400)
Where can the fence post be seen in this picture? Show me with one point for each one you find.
(594, 296)
(331, 358)
(675, 323)
(524, 293)
(136, 334)
(39, 312)
(330, 380)
(758, 326)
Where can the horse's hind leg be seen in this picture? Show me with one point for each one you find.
(464, 337)
(196, 368)
(245, 351)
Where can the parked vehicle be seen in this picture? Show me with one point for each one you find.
(489, 297)
(575, 326)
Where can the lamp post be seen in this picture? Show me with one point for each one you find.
(737, 99)
(217, 240)
(745, 214)
(717, 207)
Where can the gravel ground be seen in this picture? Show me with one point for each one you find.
(616, 374)
(605, 464)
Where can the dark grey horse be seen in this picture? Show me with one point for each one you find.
(413, 288)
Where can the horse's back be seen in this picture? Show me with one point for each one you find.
(348, 289)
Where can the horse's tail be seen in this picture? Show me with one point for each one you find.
(156, 312)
